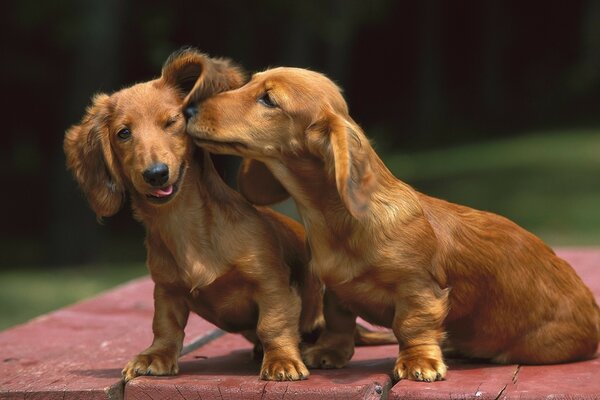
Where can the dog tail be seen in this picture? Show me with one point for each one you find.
(366, 337)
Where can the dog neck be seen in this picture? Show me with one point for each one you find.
(185, 226)
(313, 187)
(326, 219)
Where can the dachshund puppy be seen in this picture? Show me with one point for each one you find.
(427, 268)
(208, 250)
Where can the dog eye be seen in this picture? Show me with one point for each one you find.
(124, 134)
(267, 101)
(170, 122)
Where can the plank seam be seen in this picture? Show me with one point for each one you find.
(201, 341)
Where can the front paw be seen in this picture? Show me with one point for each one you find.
(282, 368)
(320, 357)
(421, 363)
(150, 364)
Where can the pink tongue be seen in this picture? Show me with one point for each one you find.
(163, 192)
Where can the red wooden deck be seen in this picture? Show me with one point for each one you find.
(78, 352)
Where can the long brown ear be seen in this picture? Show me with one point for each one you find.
(90, 159)
(349, 159)
(258, 185)
(199, 76)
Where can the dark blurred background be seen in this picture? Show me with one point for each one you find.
(493, 104)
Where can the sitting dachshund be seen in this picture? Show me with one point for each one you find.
(209, 250)
(429, 269)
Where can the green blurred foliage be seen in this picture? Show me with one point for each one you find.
(26, 293)
(548, 182)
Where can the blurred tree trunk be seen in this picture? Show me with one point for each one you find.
(429, 75)
(495, 30)
(331, 24)
(74, 235)
(345, 15)
(299, 40)
(585, 75)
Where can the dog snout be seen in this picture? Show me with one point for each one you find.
(157, 174)
(189, 111)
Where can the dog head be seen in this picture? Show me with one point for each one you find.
(134, 139)
(286, 114)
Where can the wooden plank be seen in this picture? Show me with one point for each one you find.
(224, 370)
(78, 352)
(463, 381)
(587, 264)
(571, 381)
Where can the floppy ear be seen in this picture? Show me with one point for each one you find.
(258, 185)
(347, 153)
(90, 159)
(199, 76)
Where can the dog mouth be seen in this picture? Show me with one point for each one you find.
(166, 193)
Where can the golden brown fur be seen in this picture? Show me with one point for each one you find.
(396, 257)
(209, 251)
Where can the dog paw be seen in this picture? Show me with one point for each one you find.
(150, 364)
(419, 367)
(283, 369)
(326, 358)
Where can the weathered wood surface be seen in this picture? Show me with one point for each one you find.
(78, 352)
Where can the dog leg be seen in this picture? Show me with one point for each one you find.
(418, 326)
(335, 346)
(257, 350)
(278, 331)
(170, 317)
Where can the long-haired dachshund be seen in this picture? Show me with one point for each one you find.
(243, 268)
(398, 258)
(209, 250)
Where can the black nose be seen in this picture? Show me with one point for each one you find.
(190, 111)
(157, 174)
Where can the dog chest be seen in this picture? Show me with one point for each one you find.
(367, 299)
(357, 286)
(227, 302)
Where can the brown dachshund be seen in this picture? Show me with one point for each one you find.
(427, 268)
(209, 250)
